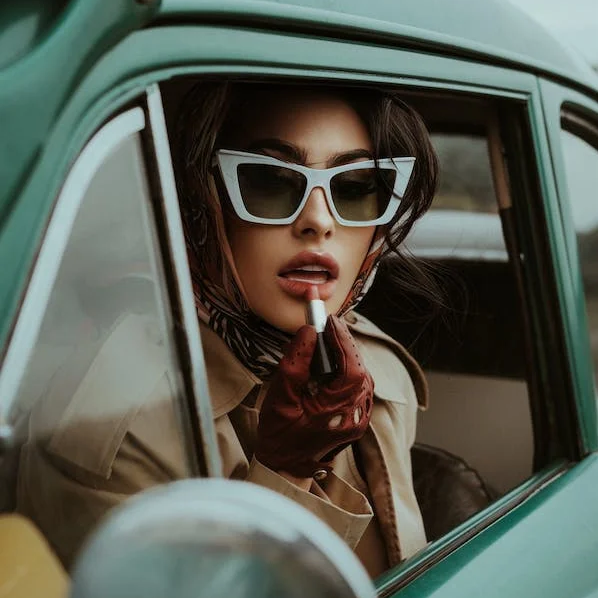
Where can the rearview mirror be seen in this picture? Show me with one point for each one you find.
(216, 538)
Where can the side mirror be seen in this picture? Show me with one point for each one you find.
(216, 538)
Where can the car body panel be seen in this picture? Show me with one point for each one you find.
(570, 295)
(534, 548)
(34, 88)
(528, 551)
(28, 22)
(431, 24)
(553, 97)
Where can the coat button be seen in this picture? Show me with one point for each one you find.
(320, 474)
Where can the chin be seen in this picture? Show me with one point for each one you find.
(290, 326)
(295, 311)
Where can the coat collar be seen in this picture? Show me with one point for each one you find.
(362, 327)
(230, 381)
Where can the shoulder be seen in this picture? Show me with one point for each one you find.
(92, 401)
(397, 375)
(229, 381)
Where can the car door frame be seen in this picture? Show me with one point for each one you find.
(554, 97)
(153, 55)
(143, 116)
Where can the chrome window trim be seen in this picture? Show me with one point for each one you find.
(189, 331)
(54, 243)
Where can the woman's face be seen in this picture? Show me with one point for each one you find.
(277, 263)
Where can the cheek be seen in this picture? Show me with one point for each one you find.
(356, 246)
(252, 249)
(243, 246)
(242, 237)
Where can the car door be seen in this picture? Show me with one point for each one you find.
(502, 109)
(103, 341)
(545, 488)
(572, 121)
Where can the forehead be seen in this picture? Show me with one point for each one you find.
(320, 122)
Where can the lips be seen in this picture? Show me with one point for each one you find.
(310, 265)
(309, 268)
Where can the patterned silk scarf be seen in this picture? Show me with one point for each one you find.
(220, 298)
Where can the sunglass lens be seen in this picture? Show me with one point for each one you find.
(270, 191)
(362, 194)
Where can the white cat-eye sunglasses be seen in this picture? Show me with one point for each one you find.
(265, 190)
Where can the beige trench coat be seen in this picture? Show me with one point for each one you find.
(98, 437)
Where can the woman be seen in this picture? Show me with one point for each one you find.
(266, 221)
(281, 201)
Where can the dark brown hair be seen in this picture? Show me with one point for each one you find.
(211, 111)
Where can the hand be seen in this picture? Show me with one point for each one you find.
(303, 425)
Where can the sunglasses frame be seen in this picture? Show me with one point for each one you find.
(228, 161)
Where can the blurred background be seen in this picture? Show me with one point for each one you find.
(574, 22)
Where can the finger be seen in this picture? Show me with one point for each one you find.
(298, 354)
(348, 361)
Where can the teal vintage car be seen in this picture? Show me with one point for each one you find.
(505, 466)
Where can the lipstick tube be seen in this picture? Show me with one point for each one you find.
(315, 312)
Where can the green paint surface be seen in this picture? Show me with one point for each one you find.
(94, 56)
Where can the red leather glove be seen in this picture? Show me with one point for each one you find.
(303, 425)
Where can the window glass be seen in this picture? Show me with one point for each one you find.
(581, 165)
(97, 410)
(475, 362)
(463, 221)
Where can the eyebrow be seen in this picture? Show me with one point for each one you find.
(292, 153)
(346, 157)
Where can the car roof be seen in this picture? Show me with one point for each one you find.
(494, 29)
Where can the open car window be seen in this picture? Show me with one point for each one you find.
(104, 389)
(476, 441)
(473, 350)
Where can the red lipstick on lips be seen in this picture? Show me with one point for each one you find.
(321, 365)
(307, 269)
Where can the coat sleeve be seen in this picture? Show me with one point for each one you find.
(65, 504)
(105, 429)
(348, 517)
(66, 500)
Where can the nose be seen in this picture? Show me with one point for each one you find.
(315, 220)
